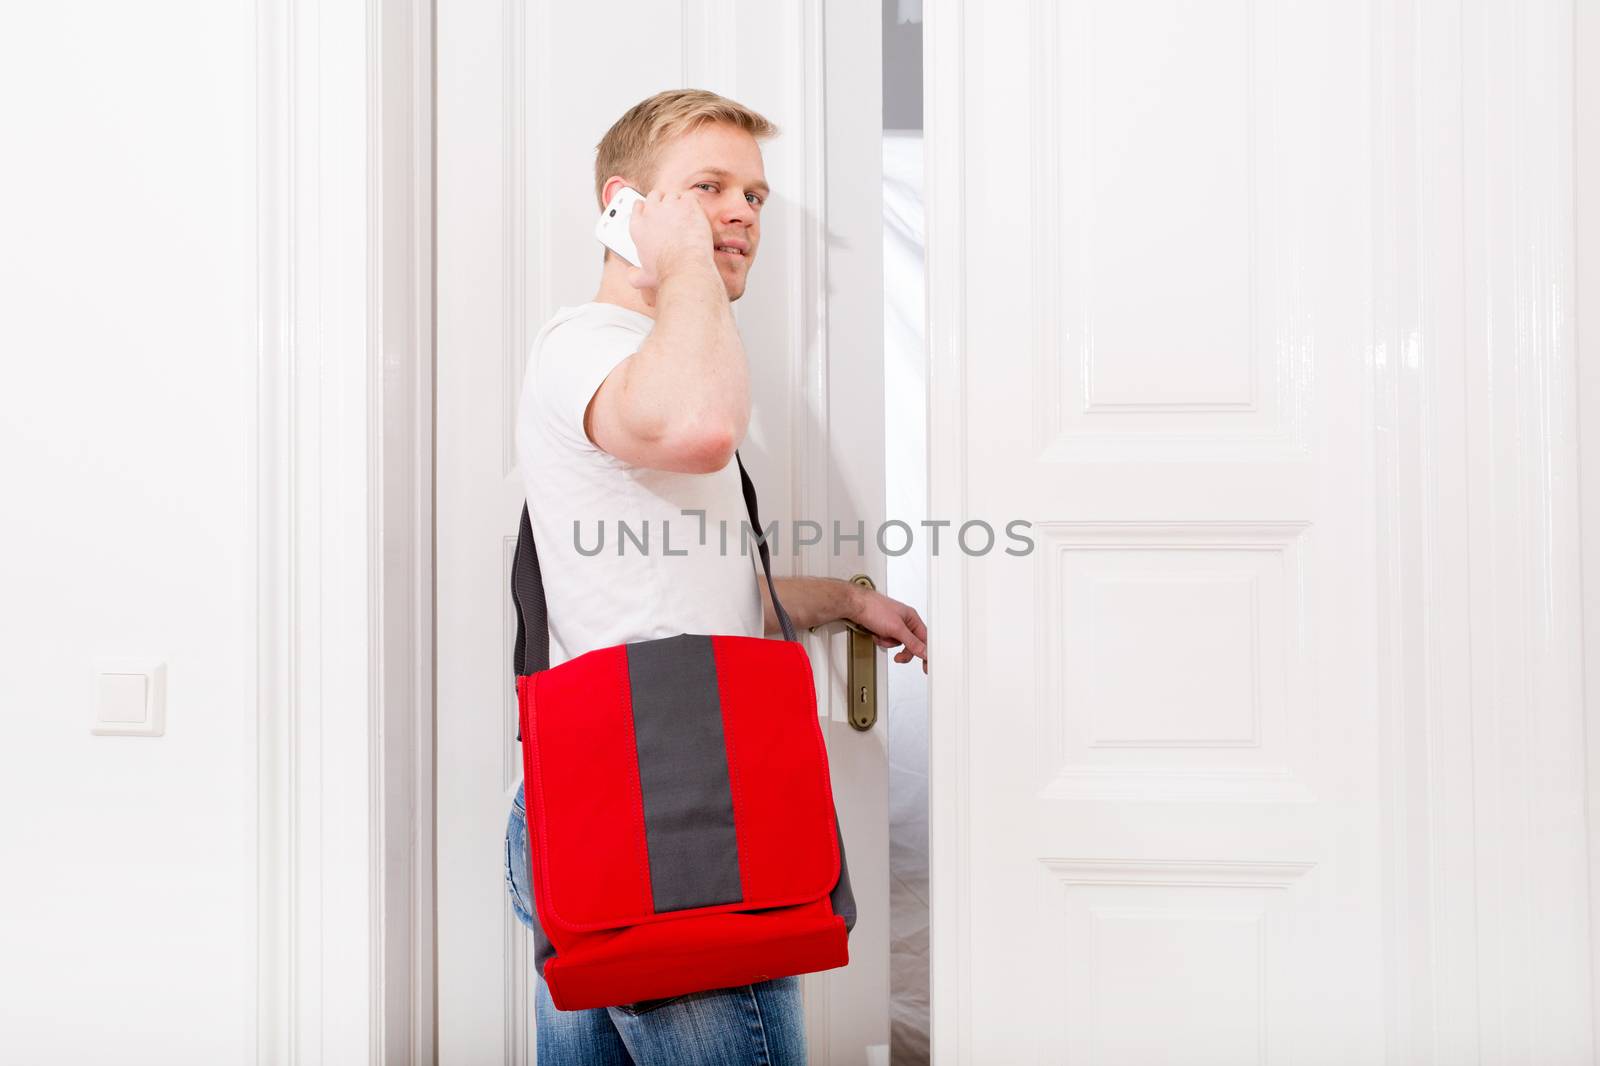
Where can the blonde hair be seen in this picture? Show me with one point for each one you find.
(632, 146)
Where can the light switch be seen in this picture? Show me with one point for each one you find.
(130, 698)
(122, 698)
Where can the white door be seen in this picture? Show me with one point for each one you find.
(525, 91)
(1154, 736)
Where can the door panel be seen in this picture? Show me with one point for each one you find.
(1160, 745)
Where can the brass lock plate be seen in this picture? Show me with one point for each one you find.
(862, 672)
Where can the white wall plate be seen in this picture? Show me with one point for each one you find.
(130, 697)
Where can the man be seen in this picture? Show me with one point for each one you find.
(630, 412)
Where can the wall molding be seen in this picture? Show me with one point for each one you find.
(340, 527)
(313, 475)
(1480, 665)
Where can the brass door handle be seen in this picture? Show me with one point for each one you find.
(861, 674)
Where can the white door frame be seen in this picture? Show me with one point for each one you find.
(340, 768)
(344, 594)
(817, 320)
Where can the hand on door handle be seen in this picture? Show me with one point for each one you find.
(888, 622)
(876, 620)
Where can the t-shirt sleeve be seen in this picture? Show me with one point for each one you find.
(572, 363)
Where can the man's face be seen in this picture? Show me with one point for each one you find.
(722, 164)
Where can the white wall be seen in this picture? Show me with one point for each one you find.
(127, 289)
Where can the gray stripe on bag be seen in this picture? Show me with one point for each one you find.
(683, 771)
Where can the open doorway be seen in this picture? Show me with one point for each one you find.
(905, 431)
(515, 161)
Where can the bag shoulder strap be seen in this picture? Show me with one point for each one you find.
(532, 651)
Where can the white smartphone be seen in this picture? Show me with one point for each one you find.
(613, 228)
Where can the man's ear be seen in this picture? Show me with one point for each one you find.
(609, 190)
(613, 183)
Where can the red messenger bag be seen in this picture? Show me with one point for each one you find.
(681, 824)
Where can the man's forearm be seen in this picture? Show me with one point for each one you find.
(810, 601)
(690, 376)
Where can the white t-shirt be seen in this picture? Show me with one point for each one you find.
(599, 599)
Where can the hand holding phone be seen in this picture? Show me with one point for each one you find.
(656, 233)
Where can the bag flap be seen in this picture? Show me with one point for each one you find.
(677, 776)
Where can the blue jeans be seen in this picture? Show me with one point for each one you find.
(749, 1025)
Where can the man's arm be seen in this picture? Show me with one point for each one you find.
(682, 401)
(814, 601)
(810, 601)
